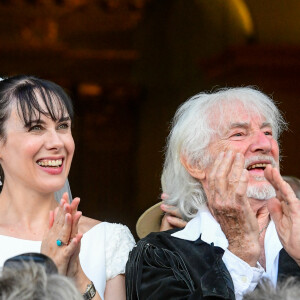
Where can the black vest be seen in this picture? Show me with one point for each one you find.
(164, 267)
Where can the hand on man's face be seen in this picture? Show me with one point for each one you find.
(285, 212)
(226, 194)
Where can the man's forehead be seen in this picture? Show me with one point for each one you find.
(246, 124)
(232, 118)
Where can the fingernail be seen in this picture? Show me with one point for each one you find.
(238, 156)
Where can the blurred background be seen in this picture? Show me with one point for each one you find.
(128, 64)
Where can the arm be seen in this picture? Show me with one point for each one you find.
(115, 288)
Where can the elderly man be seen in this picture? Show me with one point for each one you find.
(222, 172)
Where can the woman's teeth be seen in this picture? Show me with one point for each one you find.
(50, 163)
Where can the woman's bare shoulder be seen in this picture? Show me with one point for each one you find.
(85, 224)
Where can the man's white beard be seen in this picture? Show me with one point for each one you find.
(261, 192)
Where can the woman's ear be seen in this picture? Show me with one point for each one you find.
(195, 170)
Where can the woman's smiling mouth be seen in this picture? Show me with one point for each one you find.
(50, 163)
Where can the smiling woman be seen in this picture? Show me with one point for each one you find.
(36, 151)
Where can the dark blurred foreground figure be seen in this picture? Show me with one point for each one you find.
(222, 173)
(288, 289)
(29, 280)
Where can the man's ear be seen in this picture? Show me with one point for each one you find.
(195, 170)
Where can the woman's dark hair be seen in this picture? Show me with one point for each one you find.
(23, 91)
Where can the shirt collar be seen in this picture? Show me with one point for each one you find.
(204, 224)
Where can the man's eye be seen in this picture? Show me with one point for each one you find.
(268, 132)
(35, 128)
(63, 126)
(238, 134)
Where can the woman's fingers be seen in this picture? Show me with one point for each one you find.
(74, 205)
(65, 196)
(64, 233)
(75, 222)
(60, 212)
(74, 245)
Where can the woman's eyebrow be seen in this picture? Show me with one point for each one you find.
(37, 121)
(63, 119)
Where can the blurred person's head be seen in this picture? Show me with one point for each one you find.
(30, 281)
(289, 289)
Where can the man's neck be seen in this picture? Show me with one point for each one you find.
(259, 207)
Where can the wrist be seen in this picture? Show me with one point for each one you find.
(90, 292)
(248, 253)
(82, 283)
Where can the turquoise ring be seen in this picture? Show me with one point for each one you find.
(59, 243)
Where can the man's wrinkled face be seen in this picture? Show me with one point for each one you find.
(251, 134)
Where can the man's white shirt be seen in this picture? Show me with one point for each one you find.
(244, 277)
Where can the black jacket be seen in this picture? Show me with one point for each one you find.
(164, 267)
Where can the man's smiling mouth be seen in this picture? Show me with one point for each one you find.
(260, 166)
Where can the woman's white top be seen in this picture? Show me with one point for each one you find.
(103, 255)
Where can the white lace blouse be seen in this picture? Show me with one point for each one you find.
(103, 255)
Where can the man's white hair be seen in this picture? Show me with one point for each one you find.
(195, 123)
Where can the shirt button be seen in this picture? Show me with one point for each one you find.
(244, 279)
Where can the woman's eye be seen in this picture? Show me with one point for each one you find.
(63, 126)
(35, 128)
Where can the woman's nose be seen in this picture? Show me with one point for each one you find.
(53, 140)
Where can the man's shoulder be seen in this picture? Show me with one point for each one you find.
(165, 240)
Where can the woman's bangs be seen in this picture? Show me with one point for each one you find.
(34, 102)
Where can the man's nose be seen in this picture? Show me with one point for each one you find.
(261, 143)
(53, 140)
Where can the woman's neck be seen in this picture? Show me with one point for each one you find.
(24, 213)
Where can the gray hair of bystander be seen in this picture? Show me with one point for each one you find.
(31, 282)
